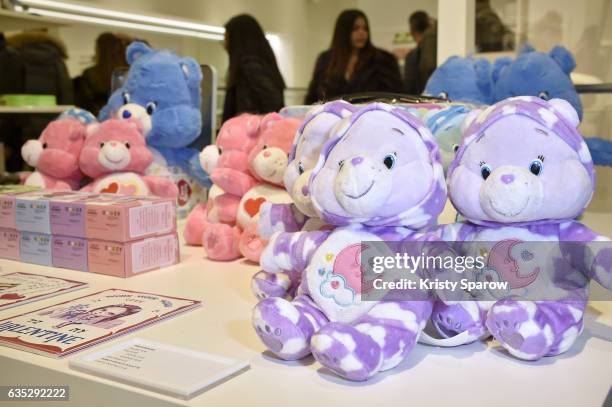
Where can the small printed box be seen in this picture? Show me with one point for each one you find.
(7, 203)
(67, 214)
(32, 210)
(69, 252)
(9, 244)
(123, 219)
(35, 248)
(127, 259)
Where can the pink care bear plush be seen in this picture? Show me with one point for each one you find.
(227, 163)
(55, 155)
(268, 163)
(115, 156)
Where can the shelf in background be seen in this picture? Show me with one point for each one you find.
(34, 109)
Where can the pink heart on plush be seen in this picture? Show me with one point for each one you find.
(251, 206)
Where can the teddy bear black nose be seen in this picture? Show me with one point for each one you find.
(127, 114)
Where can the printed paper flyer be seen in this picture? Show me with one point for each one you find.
(71, 326)
(21, 288)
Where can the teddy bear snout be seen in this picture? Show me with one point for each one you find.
(114, 155)
(510, 193)
(31, 152)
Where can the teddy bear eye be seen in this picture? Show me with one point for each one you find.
(443, 95)
(44, 145)
(389, 161)
(127, 145)
(485, 171)
(126, 98)
(151, 106)
(455, 147)
(264, 147)
(219, 150)
(101, 145)
(536, 167)
(544, 95)
(300, 168)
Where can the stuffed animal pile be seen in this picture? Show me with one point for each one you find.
(247, 167)
(300, 215)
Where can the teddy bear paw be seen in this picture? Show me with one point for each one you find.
(265, 285)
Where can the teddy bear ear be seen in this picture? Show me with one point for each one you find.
(252, 125)
(269, 119)
(565, 109)
(135, 50)
(564, 58)
(499, 66)
(78, 132)
(469, 119)
(91, 129)
(191, 69)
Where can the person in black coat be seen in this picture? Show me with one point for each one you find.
(254, 82)
(352, 64)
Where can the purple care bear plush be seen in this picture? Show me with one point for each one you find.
(301, 215)
(521, 177)
(378, 178)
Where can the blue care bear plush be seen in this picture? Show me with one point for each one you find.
(462, 80)
(535, 73)
(162, 92)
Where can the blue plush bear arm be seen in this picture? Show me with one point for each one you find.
(197, 172)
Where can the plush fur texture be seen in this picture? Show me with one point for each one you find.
(535, 73)
(55, 155)
(307, 144)
(445, 125)
(521, 177)
(162, 91)
(115, 156)
(355, 186)
(462, 80)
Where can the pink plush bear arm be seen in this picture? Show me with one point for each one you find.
(279, 218)
(161, 186)
(290, 251)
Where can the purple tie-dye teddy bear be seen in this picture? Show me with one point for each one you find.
(521, 176)
(309, 140)
(379, 178)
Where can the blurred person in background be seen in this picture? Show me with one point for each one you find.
(45, 73)
(12, 77)
(491, 33)
(420, 62)
(352, 64)
(93, 87)
(254, 82)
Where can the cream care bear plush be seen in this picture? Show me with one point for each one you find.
(115, 156)
(521, 177)
(300, 215)
(268, 163)
(55, 155)
(378, 179)
(213, 225)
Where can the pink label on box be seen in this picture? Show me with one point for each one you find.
(155, 218)
(9, 244)
(154, 253)
(7, 211)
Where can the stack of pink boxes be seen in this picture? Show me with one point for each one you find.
(101, 233)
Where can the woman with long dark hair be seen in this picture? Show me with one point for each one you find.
(254, 82)
(353, 64)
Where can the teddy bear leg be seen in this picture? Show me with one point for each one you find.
(287, 327)
(264, 285)
(530, 330)
(220, 241)
(195, 225)
(251, 244)
(377, 341)
(470, 316)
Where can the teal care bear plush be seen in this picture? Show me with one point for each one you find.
(462, 80)
(162, 92)
(535, 73)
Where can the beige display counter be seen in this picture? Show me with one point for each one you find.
(477, 374)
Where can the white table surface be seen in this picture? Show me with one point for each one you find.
(477, 374)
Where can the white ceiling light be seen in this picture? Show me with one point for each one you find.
(114, 18)
(125, 24)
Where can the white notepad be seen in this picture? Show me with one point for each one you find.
(162, 368)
